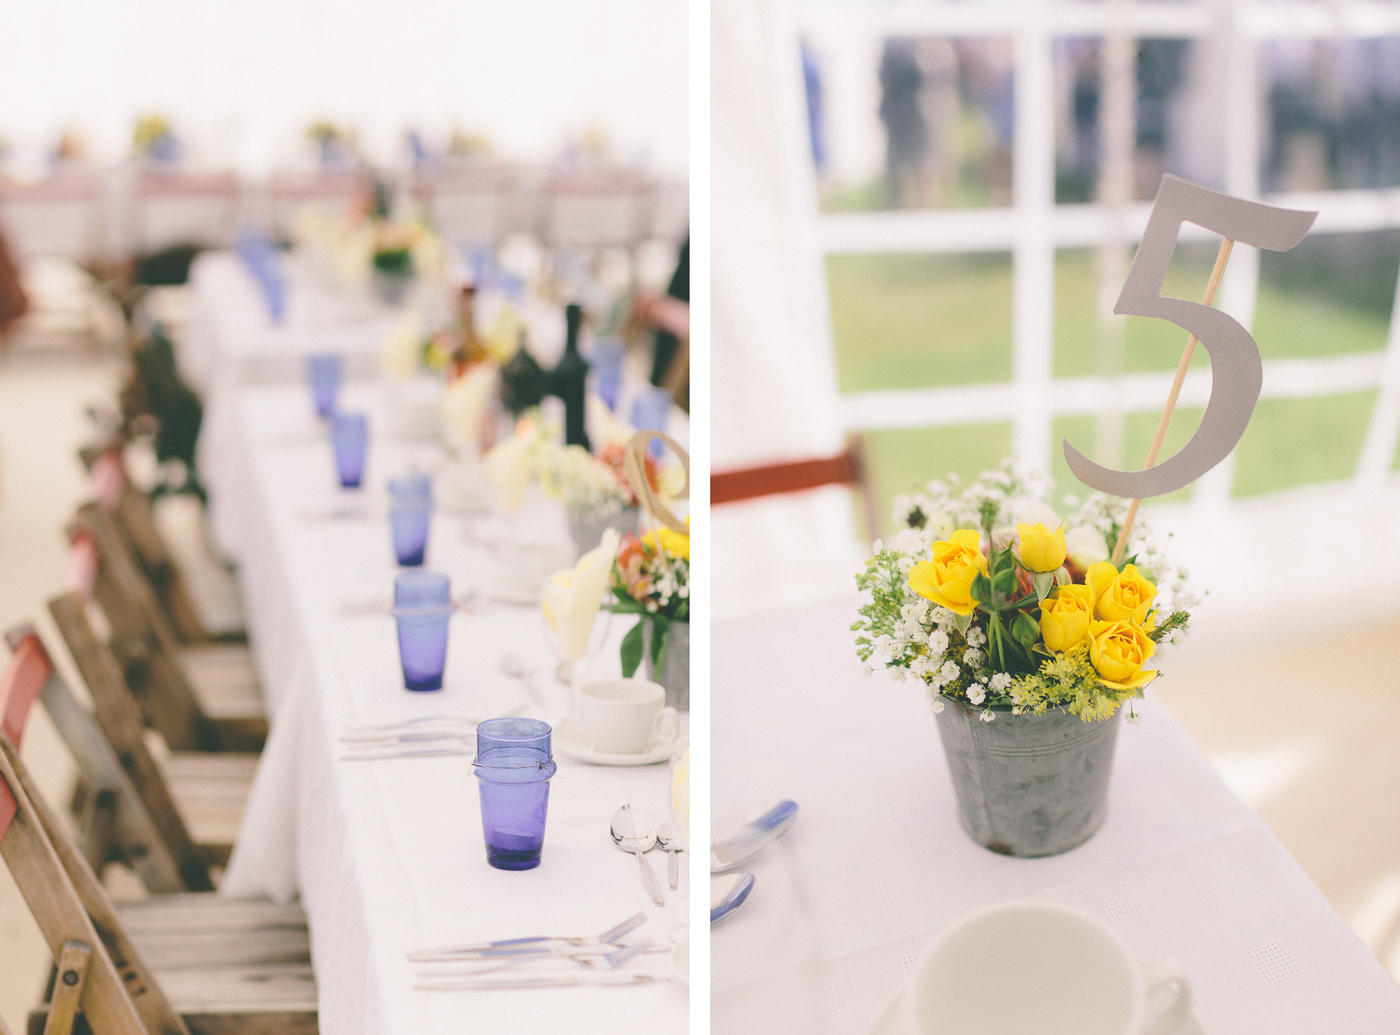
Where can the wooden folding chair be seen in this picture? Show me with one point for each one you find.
(131, 511)
(220, 711)
(845, 468)
(194, 801)
(172, 965)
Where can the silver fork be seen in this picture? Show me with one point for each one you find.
(475, 949)
(585, 958)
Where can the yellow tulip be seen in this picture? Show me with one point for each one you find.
(1120, 596)
(1065, 617)
(947, 579)
(1118, 650)
(1041, 549)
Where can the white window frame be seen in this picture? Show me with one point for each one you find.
(1034, 227)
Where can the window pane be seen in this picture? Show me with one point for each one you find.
(1177, 113)
(901, 461)
(910, 122)
(1331, 294)
(1292, 442)
(1331, 116)
(915, 321)
(1084, 348)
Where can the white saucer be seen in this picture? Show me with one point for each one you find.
(890, 1021)
(569, 739)
(680, 960)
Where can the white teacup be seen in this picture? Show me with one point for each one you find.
(623, 716)
(1040, 968)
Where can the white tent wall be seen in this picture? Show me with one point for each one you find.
(774, 393)
(241, 79)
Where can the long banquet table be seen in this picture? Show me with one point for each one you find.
(388, 855)
(876, 863)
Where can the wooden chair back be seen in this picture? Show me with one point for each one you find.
(98, 969)
(129, 815)
(143, 641)
(845, 468)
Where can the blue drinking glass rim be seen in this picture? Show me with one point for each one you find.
(424, 612)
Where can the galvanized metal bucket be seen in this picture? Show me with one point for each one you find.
(675, 666)
(1028, 785)
(588, 532)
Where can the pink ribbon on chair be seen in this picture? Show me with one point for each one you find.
(82, 565)
(108, 481)
(24, 678)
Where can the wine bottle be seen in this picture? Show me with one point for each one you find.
(523, 381)
(569, 380)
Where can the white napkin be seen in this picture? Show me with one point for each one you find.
(399, 355)
(572, 597)
(464, 403)
(508, 467)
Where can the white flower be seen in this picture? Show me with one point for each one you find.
(1132, 718)
(988, 715)
(976, 693)
(1086, 545)
(950, 671)
(1038, 512)
(1001, 681)
(937, 641)
(972, 656)
(976, 637)
(937, 705)
(866, 670)
(909, 541)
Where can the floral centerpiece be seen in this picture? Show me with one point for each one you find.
(153, 139)
(591, 488)
(651, 579)
(1008, 612)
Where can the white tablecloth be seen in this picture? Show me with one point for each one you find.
(1181, 867)
(388, 856)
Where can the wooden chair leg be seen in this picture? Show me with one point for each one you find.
(68, 990)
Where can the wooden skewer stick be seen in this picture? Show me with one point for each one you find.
(1212, 286)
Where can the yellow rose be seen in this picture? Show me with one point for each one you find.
(1118, 650)
(1120, 597)
(1041, 549)
(1065, 617)
(676, 544)
(947, 579)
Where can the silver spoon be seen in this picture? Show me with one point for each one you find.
(516, 668)
(633, 832)
(667, 839)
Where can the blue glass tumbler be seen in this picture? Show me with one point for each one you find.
(607, 370)
(325, 370)
(513, 765)
(423, 610)
(650, 411)
(350, 436)
(410, 514)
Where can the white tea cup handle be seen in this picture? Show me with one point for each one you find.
(665, 727)
(1168, 998)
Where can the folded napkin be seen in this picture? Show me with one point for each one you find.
(401, 350)
(464, 404)
(572, 597)
(508, 467)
